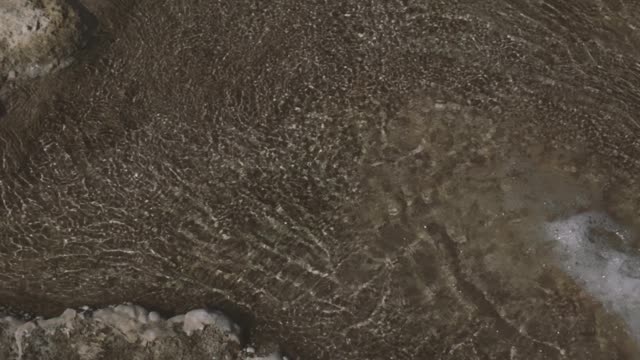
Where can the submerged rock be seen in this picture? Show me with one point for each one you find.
(37, 37)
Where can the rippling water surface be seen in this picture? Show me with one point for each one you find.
(352, 180)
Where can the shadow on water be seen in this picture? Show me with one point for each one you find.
(87, 18)
(245, 320)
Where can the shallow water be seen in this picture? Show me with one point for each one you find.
(352, 181)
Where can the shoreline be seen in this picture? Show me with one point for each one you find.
(107, 331)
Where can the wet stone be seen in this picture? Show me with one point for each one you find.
(37, 37)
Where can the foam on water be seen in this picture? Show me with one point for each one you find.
(595, 251)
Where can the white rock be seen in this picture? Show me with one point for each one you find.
(21, 332)
(178, 319)
(133, 322)
(274, 356)
(63, 321)
(21, 22)
(196, 320)
(154, 317)
(36, 36)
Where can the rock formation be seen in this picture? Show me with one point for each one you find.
(37, 36)
(125, 331)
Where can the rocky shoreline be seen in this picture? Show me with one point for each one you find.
(37, 37)
(127, 331)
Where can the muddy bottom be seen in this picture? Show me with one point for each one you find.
(405, 180)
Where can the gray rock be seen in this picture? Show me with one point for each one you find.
(37, 37)
(121, 332)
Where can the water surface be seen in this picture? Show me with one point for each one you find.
(353, 180)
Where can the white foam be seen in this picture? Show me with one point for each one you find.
(607, 272)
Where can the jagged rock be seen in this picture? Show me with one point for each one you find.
(37, 36)
(125, 331)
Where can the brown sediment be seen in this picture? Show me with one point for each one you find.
(285, 161)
